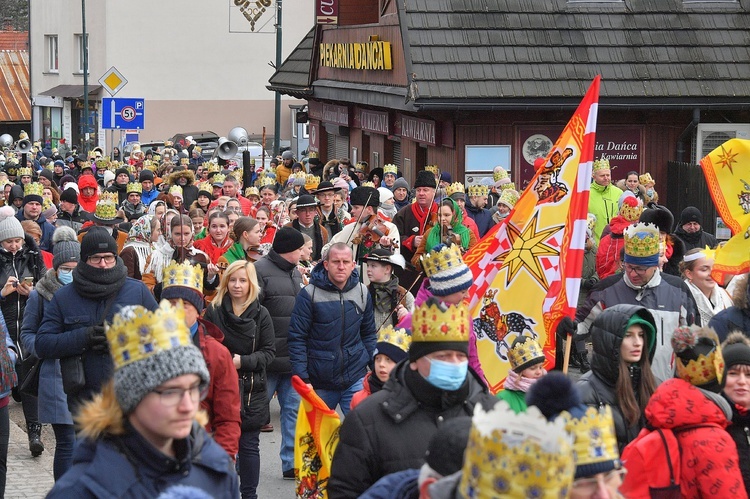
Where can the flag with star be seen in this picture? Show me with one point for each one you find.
(727, 172)
(527, 270)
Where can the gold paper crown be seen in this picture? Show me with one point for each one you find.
(367, 184)
(516, 455)
(646, 179)
(704, 369)
(390, 168)
(175, 190)
(110, 197)
(135, 187)
(509, 198)
(24, 172)
(102, 164)
(219, 178)
(590, 221)
(478, 190)
(197, 149)
(298, 175)
(33, 189)
(184, 275)
(396, 337)
(137, 333)
(237, 173)
(156, 157)
(114, 165)
(454, 188)
(311, 181)
(600, 164)
(499, 173)
(252, 191)
(432, 169)
(105, 209)
(509, 186)
(313, 155)
(641, 240)
(131, 169)
(46, 204)
(523, 352)
(430, 323)
(212, 167)
(148, 165)
(206, 186)
(448, 257)
(631, 213)
(184, 161)
(594, 436)
(264, 181)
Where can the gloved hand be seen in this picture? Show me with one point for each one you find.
(97, 340)
(566, 326)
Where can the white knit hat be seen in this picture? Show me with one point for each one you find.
(10, 228)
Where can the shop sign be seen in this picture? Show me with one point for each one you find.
(374, 121)
(327, 11)
(360, 56)
(338, 115)
(418, 130)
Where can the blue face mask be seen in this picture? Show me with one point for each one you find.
(447, 376)
(650, 192)
(65, 276)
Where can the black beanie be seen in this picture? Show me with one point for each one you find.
(690, 214)
(186, 294)
(146, 175)
(364, 196)
(70, 195)
(287, 240)
(46, 173)
(97, 240)
(425, 179)
(736, 352)
(122, 170)
(445, 451)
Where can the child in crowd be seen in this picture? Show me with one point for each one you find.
(526, 368)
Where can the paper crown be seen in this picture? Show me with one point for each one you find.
(313, 154)
(446, 259)
(509, 186)
(641, 240)
(137, 333)
(397, 337)
(197, 149)
(102, 164)
(148, 165)
(237, 173)
(499, 173)
(156, 157)
(212, 167)
(33, 189)
(135, 187)
(516, 455)
(590, 221)
(110, 197)
(390, 168)
(509, 198)
(523, 352)
(367, 184)
(106, 209)
(600, 164)
(298, 175)
(430, 323)
(454, 188)
(46, 204)
(705, 368)
(432, 169)
(595, 444)
(205, 186)
(646, 179)
(361, 166)
(265, 180)
(24, 172)
(175, 190)
(631, 209)
(218, 179)
(184, 275)
(252, 191)
(184, 161)
(311, 181)
(478, 190)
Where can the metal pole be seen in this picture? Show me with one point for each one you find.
(277, 97)
(85, 79)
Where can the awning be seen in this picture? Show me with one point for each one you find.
(71, 91)
(15, 104)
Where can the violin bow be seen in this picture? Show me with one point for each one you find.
(359, 218)
(429, 208)
(401, 299)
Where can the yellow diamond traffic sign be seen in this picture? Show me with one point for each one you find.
(113, 81)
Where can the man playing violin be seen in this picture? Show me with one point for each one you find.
(415, 220)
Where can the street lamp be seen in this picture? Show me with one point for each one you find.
(85, 42)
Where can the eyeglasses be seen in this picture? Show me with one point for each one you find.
(170, 397)
(97, 259)
(635, 270)
(587, 486)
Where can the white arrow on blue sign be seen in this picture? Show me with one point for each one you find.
(123, 113)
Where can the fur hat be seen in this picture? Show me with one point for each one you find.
(658, 215)
(424, 179)
(364, 196)
(66, 247)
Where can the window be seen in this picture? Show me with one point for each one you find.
(51, 47)
(81, 49)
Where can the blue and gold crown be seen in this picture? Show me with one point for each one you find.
(184, 275)
(397, 337)
(390, 168)
(430, 323)
(135, 187)
(595, 444)
(516, 455)
(24, 172)
(445, 259)
(137, 333)
(524, 352)
(175, 190)
(641, 240)
(33, 189)
(600, 164)
(454, 188)
(478, 190)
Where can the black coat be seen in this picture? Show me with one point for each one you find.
(597, 387)
(739, 430)
(251, 337)
(699, 239)
(27, 262)
(280, 282)
(389, 430)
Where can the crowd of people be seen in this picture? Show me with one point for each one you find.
(154, 307)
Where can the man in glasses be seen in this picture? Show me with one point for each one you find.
(73, 324)
(641, 283)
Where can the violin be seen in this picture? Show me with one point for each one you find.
(372, 230)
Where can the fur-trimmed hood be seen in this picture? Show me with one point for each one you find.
(740, 297)
(175, 176)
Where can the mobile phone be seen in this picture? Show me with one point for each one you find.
(28, 280)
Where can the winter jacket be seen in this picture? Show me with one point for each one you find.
(320, 237)
(482, 217)
(88, 203)
(400, 485)
(734, 318)
(189, 190)
(15, 192)
(739, 430)
(63, 332)
(390, 430)
(148, 196)
(222, 402)
(27, 262)
(608, 254)
(516, 399)
(665, 296)
(709, 465)
(371, 384)
(121, 190)
(280, 282)
(251, 337)
(73, 220)
(603, 204)
(332, 333)
(47, 228)
(412, 221)
(209, 247)
(699, 239)
(597, 387)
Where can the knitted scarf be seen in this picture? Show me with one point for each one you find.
(98, 284)
(516, 382)
(435, 236)
(139, 238)
(160, 258)
(48, 285)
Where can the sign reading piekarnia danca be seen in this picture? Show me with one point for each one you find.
(252, 16)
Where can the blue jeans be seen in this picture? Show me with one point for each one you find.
(342, 398)
(249, 463)
(65, 437)
(289, 403)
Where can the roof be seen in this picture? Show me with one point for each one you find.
(15, 102)
(71, 91)
(294, 75)
(14, 40)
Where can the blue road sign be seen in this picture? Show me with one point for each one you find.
(123, 113)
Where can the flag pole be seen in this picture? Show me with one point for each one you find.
(566, 357)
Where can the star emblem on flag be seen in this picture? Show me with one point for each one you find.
(727, 158)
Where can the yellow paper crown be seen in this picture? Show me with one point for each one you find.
(516, 455)
(252, 191)
(311, 182)
(102, 164)
(600, 164)
(448, 257)
(478, 190)
(509, 198)
(432, 169)
(641, 240)
(110, 197)
(237, 173)
(184, 161)
(24, 172)
(454, 188)
(137, 333)
(594, 436)
(148, 165)
(431, 323)
(367, 184)
(646, 179)
(267, 181)
(524, 352)
(219, 179)
(205, 186)
(390, 168)
(298, 175)
(106, 209)
(46, 204)
(156, 157)
(499, 173)
(135, 187)
(509, 186)
(175, 190)
(33, 189)
(396, 337)
(704, 369)
(184, 275)
(212, 167)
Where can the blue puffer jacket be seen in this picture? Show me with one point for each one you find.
(332, 333)
(482, 217)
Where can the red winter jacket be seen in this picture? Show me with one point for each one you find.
(210, 248)
(363, 393)
(608, 254)
(709, 464)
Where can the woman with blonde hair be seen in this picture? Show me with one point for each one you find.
(249, 336)
(710, 298)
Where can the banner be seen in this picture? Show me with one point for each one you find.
(315, 441)
(727, 172)
(527, 270)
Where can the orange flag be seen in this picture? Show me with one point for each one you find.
(527, 270)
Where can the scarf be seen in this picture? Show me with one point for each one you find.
(375, 384)
(383, 294)
(421, 214)
(435, 236)
(94, 283)
(654, 282)
(139, 238)
(160, 258)
(48, 285)
(133, 211)
(516, 382)
(719, 301)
